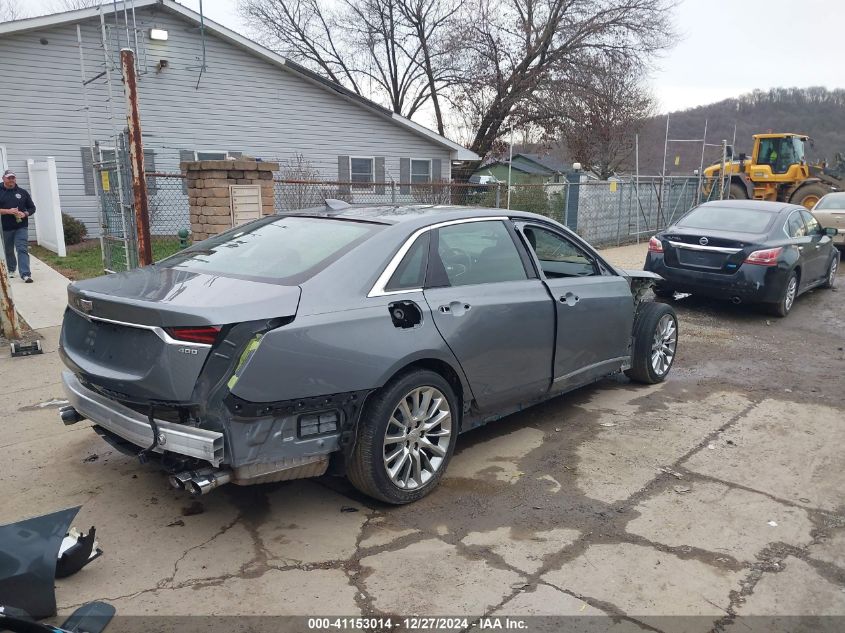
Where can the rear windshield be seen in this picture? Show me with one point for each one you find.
(727, 219)
(286, 250)
(831, 201)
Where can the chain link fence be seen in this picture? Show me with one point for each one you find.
(602, 212)
(168, 203)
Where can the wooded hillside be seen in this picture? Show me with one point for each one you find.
(818, 112)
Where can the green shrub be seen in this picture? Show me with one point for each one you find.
(74, 230)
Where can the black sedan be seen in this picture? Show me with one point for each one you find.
(746, 251)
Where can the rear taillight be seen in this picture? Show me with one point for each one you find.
(767, 257)
(205, 334)
(655, 245)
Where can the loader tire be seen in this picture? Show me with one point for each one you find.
(808, 195)
(737, 192)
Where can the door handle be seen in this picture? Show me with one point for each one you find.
(569, 299)
(456, 308)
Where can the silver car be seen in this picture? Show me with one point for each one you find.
(358, 339)
(830, 211)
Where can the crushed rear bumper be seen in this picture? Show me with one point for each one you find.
(135, 428)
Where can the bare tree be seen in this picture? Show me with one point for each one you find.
(394, 51)
(10, 10)
(300, 185)
(517, 50)
(71, 5)
(603, 109)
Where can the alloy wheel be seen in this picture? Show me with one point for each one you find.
(417, 438)
(789, 299)
(664, 345)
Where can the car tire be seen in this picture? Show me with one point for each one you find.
(423, 459)
(788, 296)
(655, 343)
(830, 280)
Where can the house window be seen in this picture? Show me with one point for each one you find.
(361, 172)
(211, 155)
(420, 171)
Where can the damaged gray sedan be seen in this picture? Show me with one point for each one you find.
(364, 340)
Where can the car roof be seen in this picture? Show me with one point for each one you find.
(756, 205)
(417, 214)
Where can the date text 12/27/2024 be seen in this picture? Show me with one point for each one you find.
(416, 623)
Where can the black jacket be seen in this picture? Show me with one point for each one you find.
(16, 198)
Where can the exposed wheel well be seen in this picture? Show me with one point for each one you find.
(439, 367)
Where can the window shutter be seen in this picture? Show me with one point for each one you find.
(343, 174)
(88, 171)
(436, 170)
(150, 167)
(379, 175)
(404, 176)
(185, 155)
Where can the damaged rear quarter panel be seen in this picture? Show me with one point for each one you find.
(339, 352)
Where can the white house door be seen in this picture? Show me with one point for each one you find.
(4, 165)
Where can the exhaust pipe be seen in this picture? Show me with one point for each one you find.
(206, 483)
(179, 481)
(69, 415)
(736, 300)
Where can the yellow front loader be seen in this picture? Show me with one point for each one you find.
(776, 171)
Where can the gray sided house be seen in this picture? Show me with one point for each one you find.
(204, 93)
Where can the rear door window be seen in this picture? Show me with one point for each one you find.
(795, 225)
(285, 250)
(410, 274)
(476, 253)
(813, 226)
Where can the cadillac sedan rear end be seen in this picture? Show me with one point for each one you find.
(154, 356)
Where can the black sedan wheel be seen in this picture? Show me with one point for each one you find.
(406, 437)
(830, 280)
(787, 300)
(655, 343)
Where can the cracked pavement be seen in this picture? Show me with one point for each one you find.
(718, 494)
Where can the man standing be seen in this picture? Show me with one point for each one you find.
(15, 208)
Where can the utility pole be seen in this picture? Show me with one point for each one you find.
(136, 157)
(8, 317)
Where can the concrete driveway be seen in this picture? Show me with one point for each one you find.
(718, 496)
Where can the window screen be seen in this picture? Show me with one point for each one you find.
(212, 155)
(361, 172)
(420, 171)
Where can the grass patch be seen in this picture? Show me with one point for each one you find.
(85, 260)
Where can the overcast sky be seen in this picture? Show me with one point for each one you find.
(725, 47)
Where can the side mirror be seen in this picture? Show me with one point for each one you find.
(831, 231)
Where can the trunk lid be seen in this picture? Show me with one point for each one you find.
(708, 250)
(115, 331)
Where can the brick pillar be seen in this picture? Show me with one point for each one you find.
(208, 191)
